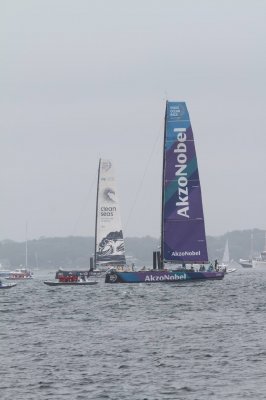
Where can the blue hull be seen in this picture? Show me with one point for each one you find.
(156, 276)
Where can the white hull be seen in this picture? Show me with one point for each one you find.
(4, 273)
(259, 264)
(230, 270)
(245, 263)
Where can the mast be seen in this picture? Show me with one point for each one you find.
(26, 246)
(162, 213)
(96, 215)
(36, 260)
(251, 246)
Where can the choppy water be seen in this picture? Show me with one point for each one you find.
(194, 341)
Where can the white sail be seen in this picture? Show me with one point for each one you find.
(260, 261)
(109, 241)
(226, 259)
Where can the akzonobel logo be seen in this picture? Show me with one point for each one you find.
(182, 203)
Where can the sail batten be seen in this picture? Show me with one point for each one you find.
(183, 229)
(109, 241)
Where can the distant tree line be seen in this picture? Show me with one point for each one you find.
(75, 251)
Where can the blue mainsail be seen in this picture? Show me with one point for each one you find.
(183, 229)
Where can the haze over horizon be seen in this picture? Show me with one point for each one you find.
(83, 80)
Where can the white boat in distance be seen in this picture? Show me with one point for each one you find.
(247, 263)
(20, 274)
(226, 260)
(261, 261)
(4, 272)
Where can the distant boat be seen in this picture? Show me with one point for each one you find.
(261, 261)
(4, 272)
(226, 260)
(71, 278)
(61, 273)
(247, 263)
(6, 285)
(184, 254)
(20, 274)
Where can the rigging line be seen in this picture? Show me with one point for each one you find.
(85, 203)
(143, 177)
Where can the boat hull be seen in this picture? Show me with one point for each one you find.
(259, 264)
(78, 273)
(157, 276)
(4, 274)
(245, 263)
(230, 270)
(51, 283)
(7, 286)
(19, 278)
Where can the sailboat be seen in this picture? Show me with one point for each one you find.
(261, 261)
(247, 263)
(109, 248)
(184, 254)
(22, 273)
(226, 260)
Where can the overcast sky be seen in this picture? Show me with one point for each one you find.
(86, 79)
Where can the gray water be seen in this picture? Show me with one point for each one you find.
(192, 341)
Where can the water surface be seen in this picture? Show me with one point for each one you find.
(191, 341)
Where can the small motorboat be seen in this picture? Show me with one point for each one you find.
(7, 285)
(20, 274)
(230, 270)
(75, 283)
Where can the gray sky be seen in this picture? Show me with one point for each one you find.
(86, 79)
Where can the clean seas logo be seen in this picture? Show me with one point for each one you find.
(107, 211)
(181, 173)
